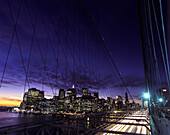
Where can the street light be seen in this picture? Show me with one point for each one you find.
(147, 98)
(160, 99)
(146, 95)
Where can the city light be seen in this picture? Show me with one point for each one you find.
(115, 111)
(160, 99)
(73, 86)
(146, 95)
(164, 90)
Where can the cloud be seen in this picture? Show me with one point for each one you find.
(10, 82)
(48, 95)
(96, 78)
(10, 99)
(131, 81)
(137, 96)
(107, 84)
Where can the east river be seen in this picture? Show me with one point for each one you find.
(10, 118)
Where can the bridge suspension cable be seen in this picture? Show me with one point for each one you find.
(105, 46)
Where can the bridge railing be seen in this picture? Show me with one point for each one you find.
(162, 124)
(89, 124)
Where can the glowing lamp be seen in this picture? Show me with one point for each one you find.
(164, 90)
(160, 99)
(146, 95)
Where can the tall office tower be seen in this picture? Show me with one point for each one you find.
(96, 95)
(61, 94)
(84, 92)
(126, 98)
(119, 102)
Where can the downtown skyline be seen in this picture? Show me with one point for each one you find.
(120, 34)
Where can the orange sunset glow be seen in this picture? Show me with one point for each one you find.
(9, 102)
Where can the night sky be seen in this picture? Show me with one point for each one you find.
(66, 50)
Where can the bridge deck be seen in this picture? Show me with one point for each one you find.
(137, 123)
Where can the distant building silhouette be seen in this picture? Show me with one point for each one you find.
(119, 102)
(61, 94)
(32, 99)
(35, 101)
(126, 99)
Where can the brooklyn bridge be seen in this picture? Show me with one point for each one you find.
(81, 67)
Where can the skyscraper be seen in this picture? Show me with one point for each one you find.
(84, 91)
(126, 98)
(119, 102)
(96, 95)
(61, 94)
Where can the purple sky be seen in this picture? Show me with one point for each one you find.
(81, 58)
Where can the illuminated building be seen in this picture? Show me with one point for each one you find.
(96, 95)
(32, 99)
(118, 98)
(110, 103)
(70, 100)
(84, 92)
(61, 94)
(72, 93)
(126, 98)
(78, 105)
(95, 102)
(119, 102)
(61, 100)
(87, 104)
(86, 100)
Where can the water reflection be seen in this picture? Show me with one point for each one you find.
(9, 118)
